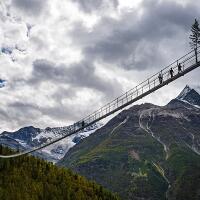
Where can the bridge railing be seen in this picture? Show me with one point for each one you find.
(130, 96)
(185, 61)
(149, 85)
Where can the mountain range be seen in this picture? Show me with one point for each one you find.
(146, 152)
(30, 137)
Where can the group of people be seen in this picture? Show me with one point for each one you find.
(160, 77)
(171, 72)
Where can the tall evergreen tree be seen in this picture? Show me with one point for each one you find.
(195, 37)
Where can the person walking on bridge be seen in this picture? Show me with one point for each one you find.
(82, 123)
(160, 77)
(179, 68)
(171, 71)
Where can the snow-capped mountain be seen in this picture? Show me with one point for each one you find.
(190, 96)
(145, 149)
(29, 137)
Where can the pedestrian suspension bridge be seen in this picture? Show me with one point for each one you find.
(169, 74)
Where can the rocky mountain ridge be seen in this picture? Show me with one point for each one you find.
(146, 151)
(30, 137)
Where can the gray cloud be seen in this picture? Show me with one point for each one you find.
(81, 75)
(89, 6)
(33, 7)
(22, 113)
(69, 80)
(4, 115)
(19, 114)
(133, 42)
(62, 93)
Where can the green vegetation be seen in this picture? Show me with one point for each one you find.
(111, 163)
(134, 164)
(187, 186)
(184, 169)
(195, 37)
(30, 178)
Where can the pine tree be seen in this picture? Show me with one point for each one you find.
(195, 37)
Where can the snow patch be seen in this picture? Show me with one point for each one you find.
(196, 106)
(60, 148)
(167, 113)
(146, 127)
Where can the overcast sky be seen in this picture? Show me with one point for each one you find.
(64, 59)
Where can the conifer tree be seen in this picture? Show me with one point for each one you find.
(195, 37)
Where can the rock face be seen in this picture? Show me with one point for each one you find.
(190, 96)
(145, 152)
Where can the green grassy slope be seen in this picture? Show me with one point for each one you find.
(110, 161)
(134, 164)
(183, 168)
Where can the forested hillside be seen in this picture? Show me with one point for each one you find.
(30, 178)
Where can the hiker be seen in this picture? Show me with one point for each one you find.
(160, 77)
(179, 68)
(171, 71)
(82, 124)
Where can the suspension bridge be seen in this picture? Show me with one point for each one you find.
(170, 73)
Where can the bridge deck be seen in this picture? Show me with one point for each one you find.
(188, 63)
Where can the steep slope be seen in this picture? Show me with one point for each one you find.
(145, 152)
(31, 178)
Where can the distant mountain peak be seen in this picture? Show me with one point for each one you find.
(184, 92)
(189, 95)
(30, 137)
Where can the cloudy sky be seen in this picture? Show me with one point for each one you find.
(63, 59)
